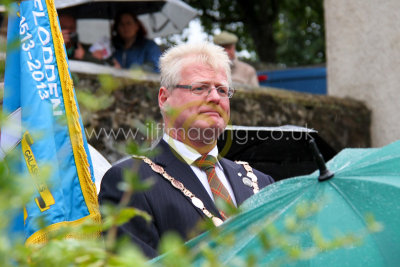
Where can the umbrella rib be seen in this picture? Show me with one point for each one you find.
(291, 203)
(348, 201)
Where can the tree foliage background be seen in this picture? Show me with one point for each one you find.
(283, 32)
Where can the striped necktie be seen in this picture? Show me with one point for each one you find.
(207, 164)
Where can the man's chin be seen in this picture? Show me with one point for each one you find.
(216, 124)
(208, 133)
(210, 121)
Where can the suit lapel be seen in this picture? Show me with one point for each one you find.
(175, 166)
(232, 170)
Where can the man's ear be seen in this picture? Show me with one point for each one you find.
(163, 95)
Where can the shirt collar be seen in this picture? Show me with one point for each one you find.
(188, 153)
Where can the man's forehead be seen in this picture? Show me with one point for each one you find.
(203, 72)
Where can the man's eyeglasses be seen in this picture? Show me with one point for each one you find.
(204, 88)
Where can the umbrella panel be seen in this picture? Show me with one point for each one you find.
(366, 181)
(108, 10)
(335, 218)
(160, 18)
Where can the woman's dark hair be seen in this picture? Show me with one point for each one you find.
(117, 40)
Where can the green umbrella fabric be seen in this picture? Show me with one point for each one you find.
(281, 217)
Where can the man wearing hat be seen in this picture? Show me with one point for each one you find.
(242, 73)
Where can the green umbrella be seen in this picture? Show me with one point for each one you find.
(304, 222)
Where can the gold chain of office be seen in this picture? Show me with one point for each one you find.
(195, 200)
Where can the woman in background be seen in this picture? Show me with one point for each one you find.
(131, 47)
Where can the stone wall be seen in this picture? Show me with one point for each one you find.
(340, 122)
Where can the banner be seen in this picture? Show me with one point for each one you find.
(38, 84)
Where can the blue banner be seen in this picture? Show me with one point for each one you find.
(38, 81)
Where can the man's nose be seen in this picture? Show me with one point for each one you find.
(213, 94)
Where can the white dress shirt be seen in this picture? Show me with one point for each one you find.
(190, 155)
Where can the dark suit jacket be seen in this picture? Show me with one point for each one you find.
(169, 208)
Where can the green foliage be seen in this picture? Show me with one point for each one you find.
(230, 210)
(110, 251)
(108, 83)
(285, 241)
(119, 215)
(7, 2)
(176, 255)
(15, 192)
(286, 32)
(94, 100)
(91, 103)
(2, 70)
(300, 33)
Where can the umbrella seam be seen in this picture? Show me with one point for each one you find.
(344, 196)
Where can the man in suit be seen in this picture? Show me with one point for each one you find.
(189, 175)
